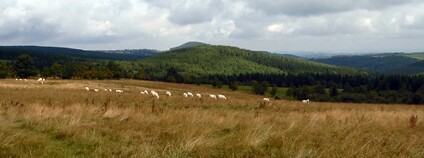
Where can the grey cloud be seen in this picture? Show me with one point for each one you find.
(28, 30)
(349, 23)
(194, 12)
(159, 24)
(319, 7)
(190, 16)
(190, 11)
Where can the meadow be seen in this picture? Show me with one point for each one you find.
(61, 119)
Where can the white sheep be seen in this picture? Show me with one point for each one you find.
(145, 91)
(96, 90)
(220, 96)
(185, 95)
(168, 93)
(305, 101)
(106, 90)
(41, 80)
(199, 95)
(212, 96)
(86, 88)
(155, 94)
(25, 80)
(190, 94)
(119, 91)
(266, 100)
(16, 79)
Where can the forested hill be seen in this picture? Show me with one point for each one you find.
(226, 60)
(12, 52)
(388, 63)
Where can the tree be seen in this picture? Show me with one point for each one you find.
(24, 66)
(299, 93)
(46, 72)
(68, 71)
(115, 69)
(333, 91)
(3, 70)
(216, 83)
(274, 90)
(173, 76)
(140, 74)
(259, 88)
(57, 70)
(233, 86)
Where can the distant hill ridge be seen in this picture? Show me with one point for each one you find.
(189, 45)
(12, 52)
(385, 63)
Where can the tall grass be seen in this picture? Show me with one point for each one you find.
(61, 119)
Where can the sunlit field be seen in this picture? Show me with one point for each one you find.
(61, 119)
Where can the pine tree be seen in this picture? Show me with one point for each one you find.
(24, 66)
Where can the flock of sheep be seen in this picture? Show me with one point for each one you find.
(156, 95)
(40, 80)
(267, 100)
(186, 94)
(167, 93)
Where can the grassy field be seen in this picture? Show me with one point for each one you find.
(281, 91)
(62, 119)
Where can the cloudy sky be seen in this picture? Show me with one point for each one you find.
(272, 25)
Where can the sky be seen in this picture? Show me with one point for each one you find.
(335, 26)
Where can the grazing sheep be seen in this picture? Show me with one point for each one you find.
(110, 90)
(41, 80)
(220, 96)
(266, 100)
(86, 88)
(185, 95)
(212, 96)
(25, 80)
(199, 95)
(168, 93)
(96, 90)
(119, 91)
(143, 93)
(16, 79)
(190, 94)
(155, 94)
(106, 90)
(305, 101)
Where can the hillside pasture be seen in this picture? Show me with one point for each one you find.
(61, 119)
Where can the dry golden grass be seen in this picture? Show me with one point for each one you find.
(61, 119)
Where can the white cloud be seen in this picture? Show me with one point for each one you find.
(276, 27)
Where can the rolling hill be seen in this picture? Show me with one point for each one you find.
(208, 59)
(387, 63)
